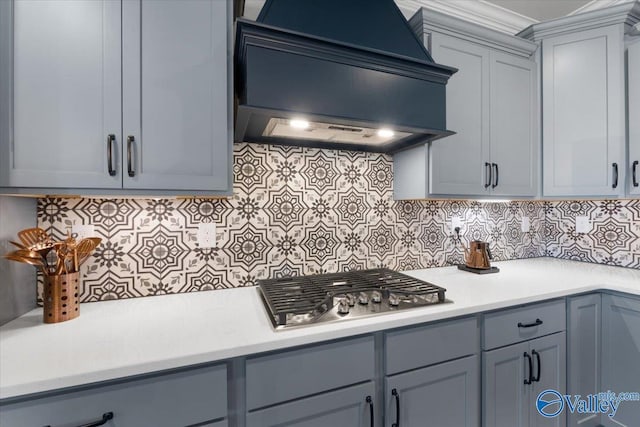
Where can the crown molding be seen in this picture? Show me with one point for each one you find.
(480, 12)
(597, 5)
(427, 20)
(627, 13)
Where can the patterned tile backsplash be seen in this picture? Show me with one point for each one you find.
(302, 211)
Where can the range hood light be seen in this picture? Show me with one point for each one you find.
(385, 133)
(299, 124)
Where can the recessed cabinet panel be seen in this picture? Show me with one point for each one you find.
(176, 94)
(583, 114)
(514, 127)
(66, 93)
(456, 161)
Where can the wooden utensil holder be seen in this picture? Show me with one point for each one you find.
(61, 297)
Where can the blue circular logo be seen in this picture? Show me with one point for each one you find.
(550, 403)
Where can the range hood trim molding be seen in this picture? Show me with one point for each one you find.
(250, 33)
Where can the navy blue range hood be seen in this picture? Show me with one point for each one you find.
(344, 74)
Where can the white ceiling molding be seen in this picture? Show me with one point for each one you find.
(477, 11)
(598, 4)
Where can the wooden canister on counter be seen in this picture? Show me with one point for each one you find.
(61, 297)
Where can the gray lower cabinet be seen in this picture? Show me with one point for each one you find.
(621, 355)
(583, 353)
(515, 375)
(125, 106)
(444, 395)
(179, 399)
(351, 406)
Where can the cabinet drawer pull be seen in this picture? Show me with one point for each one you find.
(370, 402)
(496, 176)
(528, 379)
(395, 394)
(487, 174)
(110, 139)
(130, 170)
(105, 418)
(537, 355)
(538, 322)
(615, 175)
(634, 169)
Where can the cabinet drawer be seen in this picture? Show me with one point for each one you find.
(426, 345)
(297, 373)
(178, 399)
(502, 328)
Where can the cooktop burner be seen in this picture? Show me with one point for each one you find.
(305, 300)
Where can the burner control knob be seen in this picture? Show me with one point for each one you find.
(363, 298)
(376, 297)
(351, 299)
(394, 300)
(343, 306)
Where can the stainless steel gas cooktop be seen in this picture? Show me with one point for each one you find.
(305, 300)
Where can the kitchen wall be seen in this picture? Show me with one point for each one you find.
(303, 211)
(17, 281)
(294, 211)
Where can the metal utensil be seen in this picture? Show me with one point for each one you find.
(37, 262)
(33, 236)
(84, 250)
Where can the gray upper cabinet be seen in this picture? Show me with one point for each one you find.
(175, 93)
(132, 96)
(620, 355)
(633, 97)
(492, 105)
(583, 113)
(66, 94)
(583, 350)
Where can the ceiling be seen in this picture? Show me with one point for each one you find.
(509, 16)
(541, 10)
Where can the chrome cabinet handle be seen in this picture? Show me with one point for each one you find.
(615, 175)
(395, 394)
(528, 380)
(488, 173)
(495, 166)
(110, 140)
(105, 418)
(537, 377)
(634, 169)
(370, 402)
(130, 170)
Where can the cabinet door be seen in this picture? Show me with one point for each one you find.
(583, 350)
(633, 96)
(176, 103)
(66, 94)
(514, 125)
(345, 407)
(549, 365)
(457, 162)
(447, 394)
(506, 398)
(620, 355)
(583, 113)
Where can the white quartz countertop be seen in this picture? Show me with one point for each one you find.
(114, 339)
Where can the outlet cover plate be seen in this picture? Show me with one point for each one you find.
(83, 231)
(583, 224)
(207, 235)
(456, 221)
(525, 225)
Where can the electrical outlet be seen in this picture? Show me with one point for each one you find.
(207, 235)
(583, 224)
(83, 231)
(456, 221)
(525, 225)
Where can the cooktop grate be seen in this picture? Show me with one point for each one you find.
(312, 296)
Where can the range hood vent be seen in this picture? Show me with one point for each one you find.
(337, 74)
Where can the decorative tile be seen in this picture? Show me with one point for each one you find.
(297, 210)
